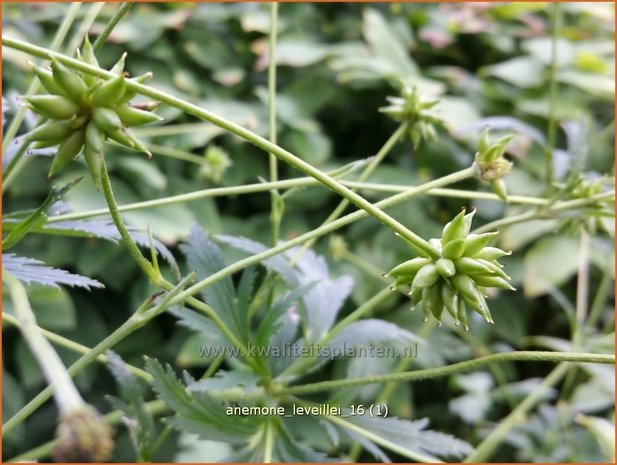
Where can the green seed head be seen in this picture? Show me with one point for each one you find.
(83, 111)
(459, 278)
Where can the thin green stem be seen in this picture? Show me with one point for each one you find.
(241, 132)
(143, 263)
(84, 27)
(115, 19)
(531, 356)
(582, 288)
(173, 152)
(547, 213)
(552, 118)
(488, 446)
(599, 301)
(9, 135)
(75, 346)
(286, 184)
(276, 213)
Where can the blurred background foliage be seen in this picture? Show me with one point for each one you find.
(489, 64)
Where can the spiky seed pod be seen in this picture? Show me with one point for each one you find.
(109, 92)
(52, 106)
(70, 82)
(445, 267)
(455, 229)
(47, 80)
(68, 149)
(51, 130)
(459, 277)
(492, 253)
(83, 436)
(410, 267)
(454, 249)
(106, 119)
(475, 243)
(87, 109)
(131, 116)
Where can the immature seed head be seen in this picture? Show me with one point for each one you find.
(83, 111)
(414, 109)
(83, 436)
(459, 277)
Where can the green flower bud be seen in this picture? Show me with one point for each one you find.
(83, 436)
(410, 267)
(445, 267)
(52, 106)
(427, 276)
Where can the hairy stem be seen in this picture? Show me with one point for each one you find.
(289, 184)
(547, 213)
(531, 356)
(141, 261)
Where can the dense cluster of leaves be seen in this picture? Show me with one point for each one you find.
(484, 65)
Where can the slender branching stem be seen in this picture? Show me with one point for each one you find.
(109, 27)
(530, 356)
